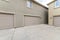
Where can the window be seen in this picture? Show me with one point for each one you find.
(29, 4)
(57, 3)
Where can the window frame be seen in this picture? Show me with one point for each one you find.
(57, 4)
(29, 4)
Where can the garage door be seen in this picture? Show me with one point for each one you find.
(6, 21)
(57, 21)
(31, 20)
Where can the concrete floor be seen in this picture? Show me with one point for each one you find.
(36, 32)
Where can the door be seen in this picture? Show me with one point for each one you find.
(57, 21)
(31, 20)
(6, 21)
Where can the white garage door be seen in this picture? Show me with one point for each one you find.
(57, 21)
(6, 21)
(31, 20)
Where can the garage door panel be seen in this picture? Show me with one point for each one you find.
(31, 20)
(6, 21)
(57, 21)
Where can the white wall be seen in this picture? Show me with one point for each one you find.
(14, 7)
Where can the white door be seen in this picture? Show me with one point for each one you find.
(6, 21)
(57, 21)
(31, 20)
